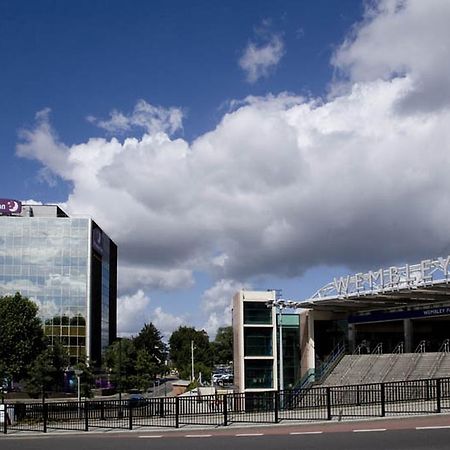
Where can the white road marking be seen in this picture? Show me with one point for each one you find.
(198, 435)
(306, 432)
(150, 437)
(437, 427)
(249, 434)
(368, 430)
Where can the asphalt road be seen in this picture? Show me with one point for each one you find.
(252, 439)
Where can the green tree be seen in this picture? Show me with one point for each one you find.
(146, 369)
(223, 345)
(120, 359)
(46, 372)
(149, 340)
(180, 351)
(21, 336)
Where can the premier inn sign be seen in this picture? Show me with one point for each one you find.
(9, 207)
(425, 273)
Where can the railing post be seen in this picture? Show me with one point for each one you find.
(5, 415)
(86, 415)
(161, 407)
(102, 410)
(177, 412)
(383, 399)
(225, 409)
(45, 414)
(130, 416)
(276, 405)
(438, 395)
(328, 394)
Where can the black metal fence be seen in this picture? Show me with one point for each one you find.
(315, 403)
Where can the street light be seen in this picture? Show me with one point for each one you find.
(280, 304)
(78, 373)
(192, 361)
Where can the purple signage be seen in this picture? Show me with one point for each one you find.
(8, 207)
(97, 240)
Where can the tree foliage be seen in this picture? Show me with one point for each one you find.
(46, 372)
(21, 336)
(180, 351)
(135, 362)
(223, 345)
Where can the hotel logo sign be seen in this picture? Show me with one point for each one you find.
(9, 207)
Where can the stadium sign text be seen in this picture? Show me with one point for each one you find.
(407, 276)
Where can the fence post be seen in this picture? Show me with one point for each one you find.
(86, 416)
(5, 415)
(328, 394)
(225, 409)
(45, 414)
(177, 412)
(438, 395)
(383, 399)
(102, 410)
(130, 416)
(161, 407)
(276, 406)
(427, 386)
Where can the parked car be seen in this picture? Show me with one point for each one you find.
(135, 400)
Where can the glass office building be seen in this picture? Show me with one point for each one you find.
(68, 266)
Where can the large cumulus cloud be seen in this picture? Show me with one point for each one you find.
(284, 183)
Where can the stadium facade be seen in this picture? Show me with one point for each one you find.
(388, 308)
(68, 267)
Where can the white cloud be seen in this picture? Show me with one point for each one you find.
(283, 184)
(402, 37)
(166, 322)
(132, 313)
(152, 119)
(258, 61)
(217, 304)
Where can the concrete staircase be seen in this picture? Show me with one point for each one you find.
(364, 369)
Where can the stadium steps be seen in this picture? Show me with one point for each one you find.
(363, 369)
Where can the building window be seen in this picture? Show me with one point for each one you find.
(257, 313)
(258, 341)
(258, 374)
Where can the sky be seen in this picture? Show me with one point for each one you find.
(227, 145)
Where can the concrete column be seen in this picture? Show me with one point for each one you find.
(351, 337)
(307, 347)
(408, 335)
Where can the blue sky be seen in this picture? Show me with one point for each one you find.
(226, 144)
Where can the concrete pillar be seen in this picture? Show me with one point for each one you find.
(307, 347)
(408, 335)
(351, 337)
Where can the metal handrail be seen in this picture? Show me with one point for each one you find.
(378, 350)
(398, 349)
(421, 348)
(445, 346)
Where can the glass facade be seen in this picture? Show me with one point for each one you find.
(258, 373)
(257, 313)
(258, 341)
(50, 261)
(291, 355)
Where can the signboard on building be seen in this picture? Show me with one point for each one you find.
(425, 273)
(97, 240)
(9, 207)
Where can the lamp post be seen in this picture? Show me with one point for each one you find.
(192, 361)
(120, 370)
(78, 373)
